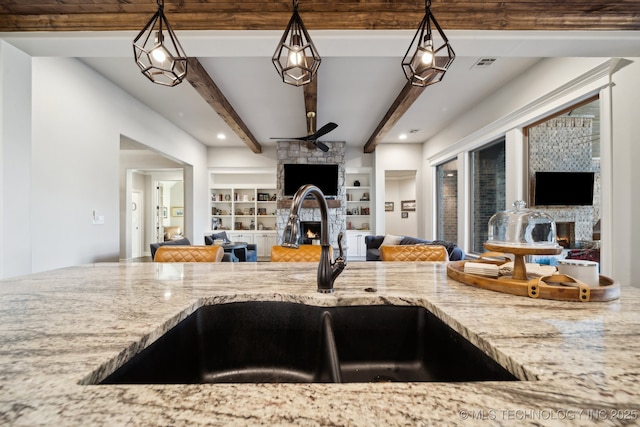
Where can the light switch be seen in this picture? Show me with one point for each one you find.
(97, 219)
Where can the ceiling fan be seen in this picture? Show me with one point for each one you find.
(313, 137)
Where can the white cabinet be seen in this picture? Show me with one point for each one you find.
(240, 237)
(265, 241)
(356, 246)
(359, 204)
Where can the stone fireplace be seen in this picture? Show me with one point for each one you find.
(301, 152)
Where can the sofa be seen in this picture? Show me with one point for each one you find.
(248, 254)
(373, 246)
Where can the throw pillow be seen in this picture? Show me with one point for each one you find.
(390, 239)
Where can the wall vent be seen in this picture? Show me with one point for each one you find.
(484, 63)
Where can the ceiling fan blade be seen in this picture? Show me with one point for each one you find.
(314, 136)
(321, 146)
(322, 131)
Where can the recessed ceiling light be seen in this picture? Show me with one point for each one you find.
(402, 136)
(222, 136)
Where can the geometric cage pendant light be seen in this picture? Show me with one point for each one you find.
(296, 58)
(158, 52)
(424, 64)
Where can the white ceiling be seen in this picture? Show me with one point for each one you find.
(358, 80)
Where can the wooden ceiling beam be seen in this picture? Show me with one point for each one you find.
(198, 77)
(403, 101)
(105, 15)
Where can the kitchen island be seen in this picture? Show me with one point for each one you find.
(63, 331)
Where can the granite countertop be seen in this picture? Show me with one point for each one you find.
(62, 330)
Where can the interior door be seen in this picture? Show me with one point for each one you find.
(161, 212)
(136, 224)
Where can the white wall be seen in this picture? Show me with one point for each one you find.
(355, 158)
(78, 118)
(396, 191)
(15, 161)
(625, 100)
(241, 157)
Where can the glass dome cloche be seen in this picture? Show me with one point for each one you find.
(522, 228)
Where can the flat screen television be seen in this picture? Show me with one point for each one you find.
(563, 189)
(324, 176)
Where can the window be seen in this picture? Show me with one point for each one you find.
(487, 190)
(447, 201)
(568, 142)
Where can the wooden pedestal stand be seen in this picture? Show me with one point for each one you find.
(555, 287)
(519, 268)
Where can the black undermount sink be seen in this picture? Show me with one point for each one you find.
(267, 342)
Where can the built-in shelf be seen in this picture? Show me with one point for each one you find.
(243, 208)
(358, 191)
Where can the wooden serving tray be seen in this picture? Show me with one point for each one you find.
(555, 287)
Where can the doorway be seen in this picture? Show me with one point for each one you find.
(170, 209)
(140, 170)
(401, 212)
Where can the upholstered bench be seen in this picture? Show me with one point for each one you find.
(413, 253)
(189, 254)
(306, 253)
(155, 246)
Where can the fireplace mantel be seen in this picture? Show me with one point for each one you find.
(310, 203)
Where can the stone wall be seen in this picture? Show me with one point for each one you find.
(304, 153)
(566, 144)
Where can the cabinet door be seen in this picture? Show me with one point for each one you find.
(357, 246)
(265, 242)
(352, 243)
(240, 237)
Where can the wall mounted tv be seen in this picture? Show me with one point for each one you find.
(324, 176)
(563, 189)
